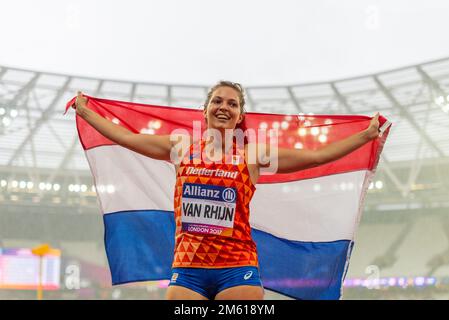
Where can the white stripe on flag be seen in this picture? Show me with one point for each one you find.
(140, 183)
(319, 210)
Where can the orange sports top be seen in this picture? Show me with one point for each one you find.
(211, 205)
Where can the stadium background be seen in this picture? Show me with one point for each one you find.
(46, 195)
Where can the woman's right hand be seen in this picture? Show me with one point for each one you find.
(80, 103)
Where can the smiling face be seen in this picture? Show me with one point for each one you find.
(224, 110)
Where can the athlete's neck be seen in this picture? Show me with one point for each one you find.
(220, 139)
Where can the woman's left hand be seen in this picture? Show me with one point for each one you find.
(372, 132)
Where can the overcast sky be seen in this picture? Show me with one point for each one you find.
(201, 41)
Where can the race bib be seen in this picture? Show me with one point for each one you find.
(208, 209)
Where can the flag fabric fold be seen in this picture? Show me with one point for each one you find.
(303, 223)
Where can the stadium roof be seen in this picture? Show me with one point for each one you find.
(34, 133)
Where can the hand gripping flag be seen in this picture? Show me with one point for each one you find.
(303, 223)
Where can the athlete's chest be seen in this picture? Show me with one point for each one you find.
(209, 198)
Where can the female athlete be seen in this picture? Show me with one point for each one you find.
(218, 260)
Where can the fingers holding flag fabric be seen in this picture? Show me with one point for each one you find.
(384, 124)
(75, 102)
(384, 127)
(378, 125)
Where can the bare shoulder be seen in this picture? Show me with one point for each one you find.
(252, 162)
(180, 144)
(257, 154)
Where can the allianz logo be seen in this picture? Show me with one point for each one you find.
(227, 194)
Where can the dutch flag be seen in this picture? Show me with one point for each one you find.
(303, 223)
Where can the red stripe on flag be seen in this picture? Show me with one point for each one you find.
(300, 131)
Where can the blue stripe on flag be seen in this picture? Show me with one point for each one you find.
(139, 247)
(302, 270)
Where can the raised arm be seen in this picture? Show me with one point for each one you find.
(153, 146)
(291, 160)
